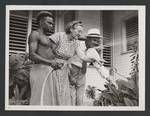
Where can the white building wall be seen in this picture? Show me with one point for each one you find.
(91, 19)
(120, 60)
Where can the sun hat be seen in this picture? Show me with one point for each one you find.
(94, 32)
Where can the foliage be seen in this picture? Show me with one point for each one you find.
(90, 92)
(19, 89)
(126, 93)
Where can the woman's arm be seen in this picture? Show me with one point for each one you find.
(56, 53)
(55, 39)
(81, 52)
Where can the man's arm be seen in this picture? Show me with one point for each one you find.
(33, 46)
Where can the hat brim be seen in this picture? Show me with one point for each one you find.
(95, 36)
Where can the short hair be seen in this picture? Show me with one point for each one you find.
(43, 14)
(72, 25)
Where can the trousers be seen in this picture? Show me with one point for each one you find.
(77, 84)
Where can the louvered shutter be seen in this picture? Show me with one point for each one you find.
(17, 33)
(107, 33)
(131, 32)
(34, 24)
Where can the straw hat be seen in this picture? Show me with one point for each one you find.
(94, 32)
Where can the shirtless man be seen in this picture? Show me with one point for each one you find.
(41, 53)
(39, 45)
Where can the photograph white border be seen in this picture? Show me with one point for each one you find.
(142, 16)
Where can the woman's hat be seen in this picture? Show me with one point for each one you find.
(94, 32)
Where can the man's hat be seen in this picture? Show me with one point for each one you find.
(42, 14)
(94, 32)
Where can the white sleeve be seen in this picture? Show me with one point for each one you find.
(93, 54)
(81, 51)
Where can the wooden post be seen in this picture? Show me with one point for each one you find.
(29, 30)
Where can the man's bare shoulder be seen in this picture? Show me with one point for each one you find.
(34, 35)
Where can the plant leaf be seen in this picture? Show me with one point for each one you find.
(128, 102)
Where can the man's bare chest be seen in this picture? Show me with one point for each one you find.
(44, 41)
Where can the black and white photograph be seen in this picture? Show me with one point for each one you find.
(75, 58)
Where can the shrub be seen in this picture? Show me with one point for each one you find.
(19, 88)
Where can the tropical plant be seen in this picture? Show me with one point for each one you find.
(19, 88)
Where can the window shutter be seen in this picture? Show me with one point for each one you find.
(34, 24)
(131, 32)
(17, 33)
(107, 55)
(107, 34)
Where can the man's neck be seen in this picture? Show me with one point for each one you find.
(44, 32)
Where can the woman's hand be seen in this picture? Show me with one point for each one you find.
(68, 63)
(56, 65)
